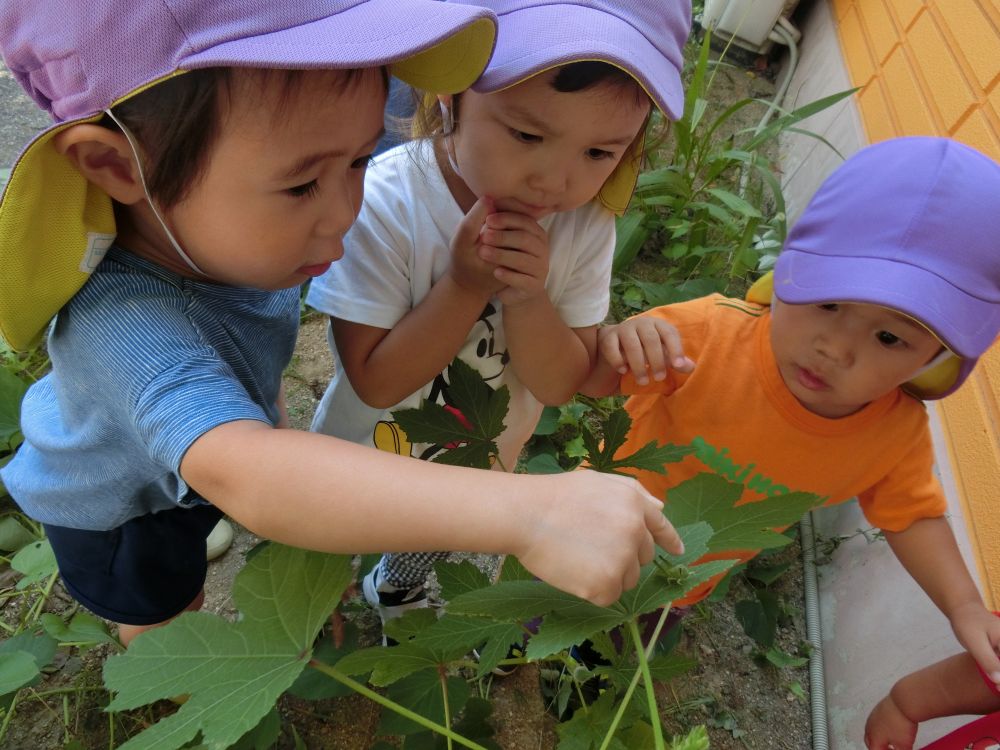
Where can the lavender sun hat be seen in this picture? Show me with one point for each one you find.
(910, 224)
(645, 38)
(76, 59)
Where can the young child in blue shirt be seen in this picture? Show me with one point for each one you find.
(170, 220)
(491, 239)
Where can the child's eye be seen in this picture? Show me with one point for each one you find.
(363, 162)
(829, 307)
(598, 154)
(520, 135)
(888, 339)
(306, 190)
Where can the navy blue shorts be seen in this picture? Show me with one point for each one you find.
(145, 571)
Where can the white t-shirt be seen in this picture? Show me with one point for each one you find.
(398, 249)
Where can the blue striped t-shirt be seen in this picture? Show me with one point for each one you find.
(144, 362)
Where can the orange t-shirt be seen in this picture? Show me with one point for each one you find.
(747, 426)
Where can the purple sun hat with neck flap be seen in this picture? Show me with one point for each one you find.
(76, 59)
(645, 38)
(913, 225)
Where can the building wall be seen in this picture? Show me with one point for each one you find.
(932, 67)
(877, 625)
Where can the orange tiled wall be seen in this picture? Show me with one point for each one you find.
(932, 67)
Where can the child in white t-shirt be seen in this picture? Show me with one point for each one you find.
(492, 238)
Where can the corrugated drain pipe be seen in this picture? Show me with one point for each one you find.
(817, 682)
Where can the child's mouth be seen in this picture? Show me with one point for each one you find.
(812, 381)
(317, 270)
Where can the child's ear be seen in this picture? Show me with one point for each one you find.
(105, 158)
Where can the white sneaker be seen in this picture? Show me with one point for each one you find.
(219, 540)
(391, 601)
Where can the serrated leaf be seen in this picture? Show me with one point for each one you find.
(655, 591)
(431, 423)
(475, 455)
(587, 728)
(314, 685)
(513, 601)
(421, 693)
(410, 623)
(712, 498)
(513, 570)
(484, 407)
(264, 735)
(457, 578)
(389, 665)
(561, 630)
(650, 457)
(285, 595)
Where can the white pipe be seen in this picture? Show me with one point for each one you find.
(817, 680)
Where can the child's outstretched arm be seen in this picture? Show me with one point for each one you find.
(387, 365)
(950, 687)
(583, 532)
(929, 552)
(642, 345)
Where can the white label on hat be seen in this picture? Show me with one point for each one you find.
(97, 247)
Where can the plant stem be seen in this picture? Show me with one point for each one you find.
(7, 719)
(647, 678)
(392, 705)
(664, 613)
(447, 709)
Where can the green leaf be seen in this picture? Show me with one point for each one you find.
(17, 669)
(285, 595)
(13, 534)
(264, 735)
(544, 464)
(651, 457)
(475, 456)
(484, 407)
(12, 390)
(587, 728)
(421, 693)
(735, 203)
(314, 685)
(41, 647)
(83, 628)
(559, 631)
(457, 578)
(548, 422)
(514, 601)
(631, 233)
(780, 659)
(711, 498)
(35, 562)
(513, 570)
(389, 665)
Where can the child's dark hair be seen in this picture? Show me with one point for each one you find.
(569, 78)
(178, 121)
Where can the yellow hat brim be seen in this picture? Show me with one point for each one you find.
(453, 64)
(52, 224)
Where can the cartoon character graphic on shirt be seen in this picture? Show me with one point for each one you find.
(488, 355)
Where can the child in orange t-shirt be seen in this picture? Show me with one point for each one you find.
(887, 291)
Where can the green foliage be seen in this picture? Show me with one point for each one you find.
(234, 672)
(711, 204)
(285, 595)
(475, 437)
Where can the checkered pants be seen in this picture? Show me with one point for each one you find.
(406, 570)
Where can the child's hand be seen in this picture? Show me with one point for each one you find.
(978, 630)
(517, 248)
(642, 345)
(888, 728)
(594, 534)
(468, 270)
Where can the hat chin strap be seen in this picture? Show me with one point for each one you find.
(142, 179)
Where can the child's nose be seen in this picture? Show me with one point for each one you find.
(549, 178)
(836, 347)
